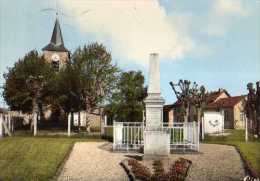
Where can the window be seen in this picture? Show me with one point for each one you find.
(56, 65)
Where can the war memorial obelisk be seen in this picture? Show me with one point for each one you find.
(156, 139)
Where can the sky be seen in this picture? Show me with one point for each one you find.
(215, 43)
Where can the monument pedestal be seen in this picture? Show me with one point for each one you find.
(156, 139)
(156, 144)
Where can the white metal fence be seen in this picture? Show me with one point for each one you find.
(184, 135)
(129, 135)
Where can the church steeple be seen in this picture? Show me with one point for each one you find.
(55, 52)
(56, 43)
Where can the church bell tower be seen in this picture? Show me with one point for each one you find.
(55, 52)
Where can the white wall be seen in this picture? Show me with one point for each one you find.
(213, 122)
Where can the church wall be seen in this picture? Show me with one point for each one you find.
(63, 56)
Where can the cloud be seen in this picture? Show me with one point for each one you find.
(133, 29)
(223, 14)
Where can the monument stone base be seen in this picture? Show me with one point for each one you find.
(156, 144)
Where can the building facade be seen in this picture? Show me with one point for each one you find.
(217, 103)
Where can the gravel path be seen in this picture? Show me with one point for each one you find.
(93, 161)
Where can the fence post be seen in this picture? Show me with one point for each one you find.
(69, 121)
(198, 136)
(114, 129)
(103, 125)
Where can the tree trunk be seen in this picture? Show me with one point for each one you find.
(254, 123)
(34, 104)
(187, 113)
(199, 121)
(258, 123)
(87, 121)
(246, 128)
(199, 115)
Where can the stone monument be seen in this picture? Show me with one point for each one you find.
(156, 139)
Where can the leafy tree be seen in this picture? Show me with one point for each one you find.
(126, 103)
(24, 84)
(17, 92)
(97, 74)
(64, 91)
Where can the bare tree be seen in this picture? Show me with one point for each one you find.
(252, 108)
(189, 96)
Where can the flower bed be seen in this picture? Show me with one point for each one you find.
(178, 171)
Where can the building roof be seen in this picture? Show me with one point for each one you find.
(226, 102)
(56, 43)
(212, 96)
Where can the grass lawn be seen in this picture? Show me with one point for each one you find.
(250, 150)
(33, 158)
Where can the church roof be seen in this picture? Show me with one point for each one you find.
(56, 43)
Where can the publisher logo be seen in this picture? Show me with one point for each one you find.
(248, 178)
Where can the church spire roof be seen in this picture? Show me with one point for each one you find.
(56, 43)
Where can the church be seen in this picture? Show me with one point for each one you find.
(58, 56)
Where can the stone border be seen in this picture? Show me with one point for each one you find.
(124, 164)
(62, 164)
(248, 166)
